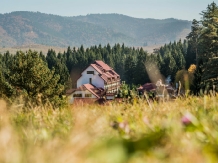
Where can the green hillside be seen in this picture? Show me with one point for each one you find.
(23, 28)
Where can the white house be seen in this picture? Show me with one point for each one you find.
(96, 81)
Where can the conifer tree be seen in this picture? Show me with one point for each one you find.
(193, 43)
(130, 69)
(59, 66)
(170, 67)
(209, 35)
(5, 88)
(30, 75)
(141, 73)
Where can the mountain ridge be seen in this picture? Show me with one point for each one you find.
(24, 27)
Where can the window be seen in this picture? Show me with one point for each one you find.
(77, 95)
(88, 95)
(90, 72)
(90, 80)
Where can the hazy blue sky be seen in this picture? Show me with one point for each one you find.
(159, 9)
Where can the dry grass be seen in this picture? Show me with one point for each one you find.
(34, 47)
(116, 133)
(57, 49)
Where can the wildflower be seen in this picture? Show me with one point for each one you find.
(124, 126)
(188, 118)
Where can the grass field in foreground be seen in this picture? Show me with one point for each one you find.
(185, 130)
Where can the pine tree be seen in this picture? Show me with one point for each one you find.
(29, 74)
(69, 59)
(190, 56)
(5, 88)
(193, 43)
(196, 86)
(141, 73)
(209, 35)
(169, 67)
(59, 66)
(130, 69)
(209, 48)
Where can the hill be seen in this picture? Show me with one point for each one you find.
(26, 28)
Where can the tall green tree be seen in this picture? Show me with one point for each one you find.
(140, 72)
(130, 69)
(209, 34)
(204, 39)
(170, 67)
(6, 90)
(193, 43)
(58, 64)
(30, 74)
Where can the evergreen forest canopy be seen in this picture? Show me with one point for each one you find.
(33, 74)
(203, 40)
(25, 28)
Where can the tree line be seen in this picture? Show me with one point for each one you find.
(203, 40)
(48, 76)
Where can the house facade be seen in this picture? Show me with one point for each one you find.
(96, 81)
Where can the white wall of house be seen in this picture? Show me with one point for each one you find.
(98, 81)
(83, 93)
(110, 97)
(85, 78)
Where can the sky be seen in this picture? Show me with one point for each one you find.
(158, 9)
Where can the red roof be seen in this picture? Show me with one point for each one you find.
(70, 91)
(91, 89)
(103, 65)
(105, 71)
(104, 77)
(96, 68)
(147, 87)
(96, 91)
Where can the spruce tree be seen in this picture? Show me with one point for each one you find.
(209, 35)
(193, 43)
(130, 69)
(141, 73)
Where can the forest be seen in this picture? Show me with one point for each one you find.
(33, 74)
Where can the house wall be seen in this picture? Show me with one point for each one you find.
(96, 79)
(83, 94)
(110, 97)
(82, 101)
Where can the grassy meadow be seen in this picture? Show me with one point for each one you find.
(35, 47)
(184, 130)
(44, 48)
